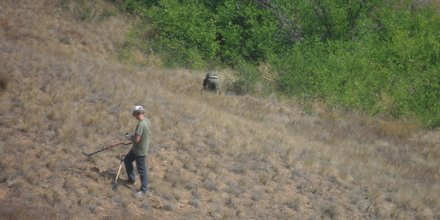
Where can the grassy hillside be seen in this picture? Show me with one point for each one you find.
(64, 92)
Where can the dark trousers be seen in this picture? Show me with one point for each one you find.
(141, 166)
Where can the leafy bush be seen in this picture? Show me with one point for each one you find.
(379, 57)
(249, 75)
(245, 31)
(185, 31)
(394, 71)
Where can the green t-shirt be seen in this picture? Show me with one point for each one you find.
(143, 130)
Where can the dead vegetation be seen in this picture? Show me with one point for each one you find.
(62, 92)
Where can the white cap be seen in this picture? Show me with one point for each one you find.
(138, 108)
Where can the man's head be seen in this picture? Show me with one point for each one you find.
(138, 111)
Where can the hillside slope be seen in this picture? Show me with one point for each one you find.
(63, 92)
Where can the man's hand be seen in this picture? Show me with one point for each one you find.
(129, 136)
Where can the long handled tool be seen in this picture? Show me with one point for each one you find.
(119, 170)
(115, 183)
(111, 146)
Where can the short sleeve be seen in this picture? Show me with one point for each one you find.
(139, 129)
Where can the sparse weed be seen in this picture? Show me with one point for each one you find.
(168, 206)
(32, 177)
(239, 168)
(264, 178)
(85, 10)
(174, 176)
(235, 188)
(3, 83)
(106, 13)
(231, 202)
(191, 185)
(194, 203)
(213, 165)
(64, 4)
(210, 184)
(177, 195)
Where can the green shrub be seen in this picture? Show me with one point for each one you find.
(248, 76)
(184, 30)
(381, 57)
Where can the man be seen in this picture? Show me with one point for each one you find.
(138, 153)
(211, 82)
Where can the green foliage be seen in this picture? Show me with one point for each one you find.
(381, 57)
(196, 33)
(249, 75)
(245, 31)
(329, 19)
(137, 6)
(393, 70)
(186, 31)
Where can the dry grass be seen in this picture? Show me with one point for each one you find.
(62, 92)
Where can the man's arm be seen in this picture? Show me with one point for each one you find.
(136, 138)
(138, 133)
